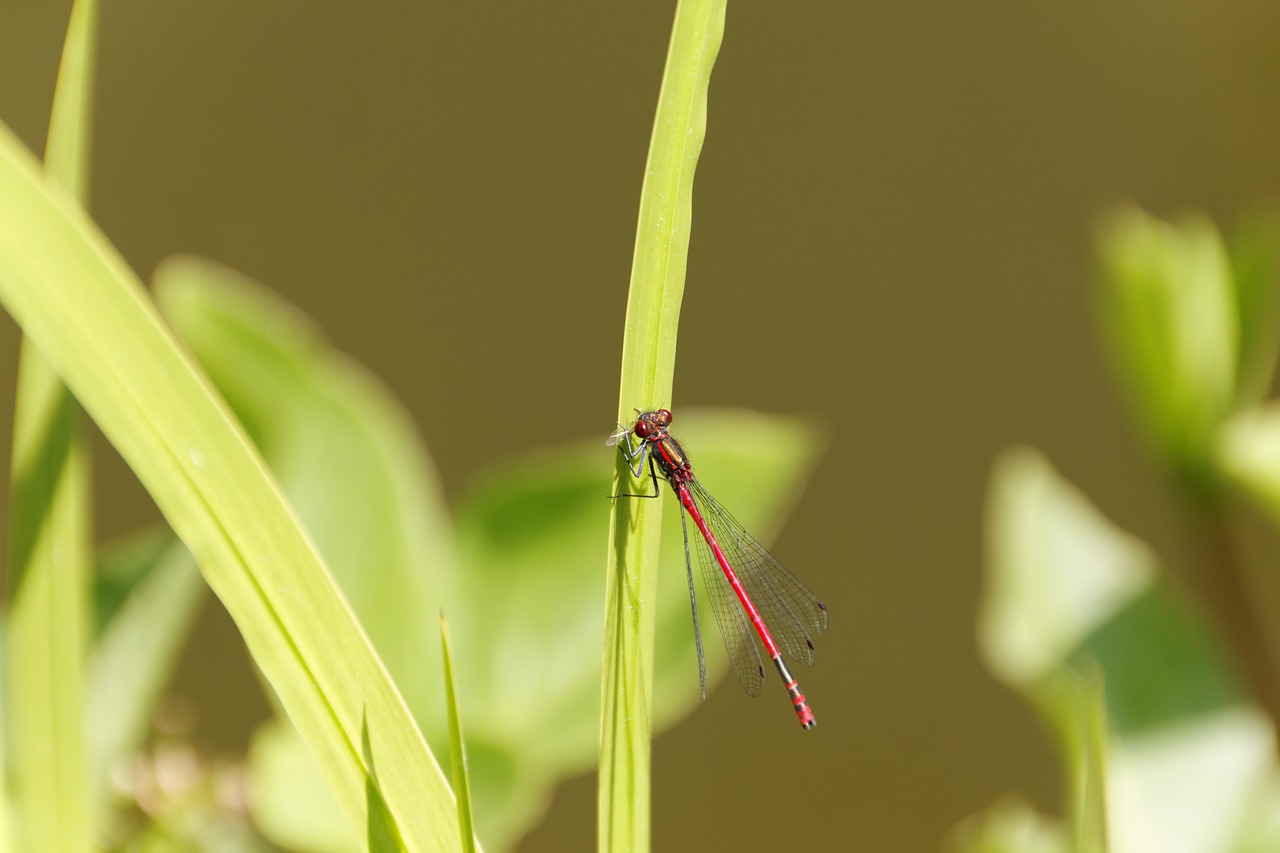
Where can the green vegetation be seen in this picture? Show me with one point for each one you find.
(300, 490)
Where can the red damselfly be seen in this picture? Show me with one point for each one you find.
(748, 587)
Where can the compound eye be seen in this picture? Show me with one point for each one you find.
(642, 428)
(664, 417)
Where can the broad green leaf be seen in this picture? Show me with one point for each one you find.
(1173, 667)
(291, 804)
(1169, 309)
(1260, 828)
(1056, 569)
(1070, 598)
(648, 367)
(80, 304)
(1187, 787)
(50, 531)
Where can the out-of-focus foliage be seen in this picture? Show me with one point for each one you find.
(80, 304)
(1192, 335)
(1164, 749)
(518, 569)
(50, 536)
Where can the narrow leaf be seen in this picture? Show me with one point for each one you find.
(50, 529)
(648, 365)
(81, 305)
(457, 747)
(344, 450)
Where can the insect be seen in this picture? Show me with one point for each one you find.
(749, 589)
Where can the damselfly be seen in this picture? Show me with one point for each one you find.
(748, 587)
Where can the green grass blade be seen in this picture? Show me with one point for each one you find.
(345, 452)
(457, 748)
(135, 654)
(80, 304)
(648, 365)
(50, 530)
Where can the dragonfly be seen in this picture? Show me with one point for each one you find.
(748, 588)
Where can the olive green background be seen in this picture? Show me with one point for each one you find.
(891, 234)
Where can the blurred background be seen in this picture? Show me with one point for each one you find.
(892, 235)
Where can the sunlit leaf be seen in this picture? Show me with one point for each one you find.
(457, 746)
(1070, 599)
(648, 369)
(1169, 309)
(80, 304)
(1009, 826)
(50, 532)
(1056, 569)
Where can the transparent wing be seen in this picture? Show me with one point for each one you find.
(735, 628)
(793, 614)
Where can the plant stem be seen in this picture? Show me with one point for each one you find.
(1219, 578)
(648, 368)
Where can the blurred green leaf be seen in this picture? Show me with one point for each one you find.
(1255, 267)
(529, 539)
(291, 804)
(1056, 569)
(524, 605)
(1068, 595)
(1249, 453)
(1008, 826)
(1165, 666)
(1260, 829)
(137, 647)
(80, 304)
(50, 531)
(1186, 787)
(349, 459)
(344, 451)
(1169, 306)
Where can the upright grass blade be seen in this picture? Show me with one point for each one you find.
(457, 748)
(79, 303)
(135, 654)
(50, 530)
(648, 365)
